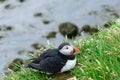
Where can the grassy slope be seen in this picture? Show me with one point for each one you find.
(100, 56)
(99, 60)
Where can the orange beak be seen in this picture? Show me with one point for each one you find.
(76, 50)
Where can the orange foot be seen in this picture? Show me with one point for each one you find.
(60, 72)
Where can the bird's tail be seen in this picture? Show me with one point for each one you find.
(33, 66)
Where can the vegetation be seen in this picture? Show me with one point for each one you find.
(99, 59)
(100, 56)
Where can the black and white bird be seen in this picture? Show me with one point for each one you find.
(56, 60)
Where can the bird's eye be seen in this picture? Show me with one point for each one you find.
(66, 47)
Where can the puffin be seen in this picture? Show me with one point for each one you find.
(57, 60)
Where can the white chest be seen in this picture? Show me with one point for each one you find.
(69, 65)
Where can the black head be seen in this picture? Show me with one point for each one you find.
(67, 49)
(63, 44)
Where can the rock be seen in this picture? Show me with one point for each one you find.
(86, 28)
(21, 1)
(38, 14)
(37, 46)
(69, 29)
(108, 8)
(2, 1)
(115, 14)
(21, 52)
(8, 28)
(51, 35)
(31, 52)
(9, 6)
(93, 13)
(13, 65)
(1, 36)
(46, 21)
(93, 30)
(107, 25)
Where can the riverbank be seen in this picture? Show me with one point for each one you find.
(27, 23)
(99, 59)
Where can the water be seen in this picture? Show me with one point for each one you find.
(28, 29)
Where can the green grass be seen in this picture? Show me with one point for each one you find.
(100, 56)
(99, 59)
(26, 74)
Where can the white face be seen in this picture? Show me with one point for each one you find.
(66, 50)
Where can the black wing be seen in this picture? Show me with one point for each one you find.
(52, 64)
(49, 61)
(48, 53)
(49, 64)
